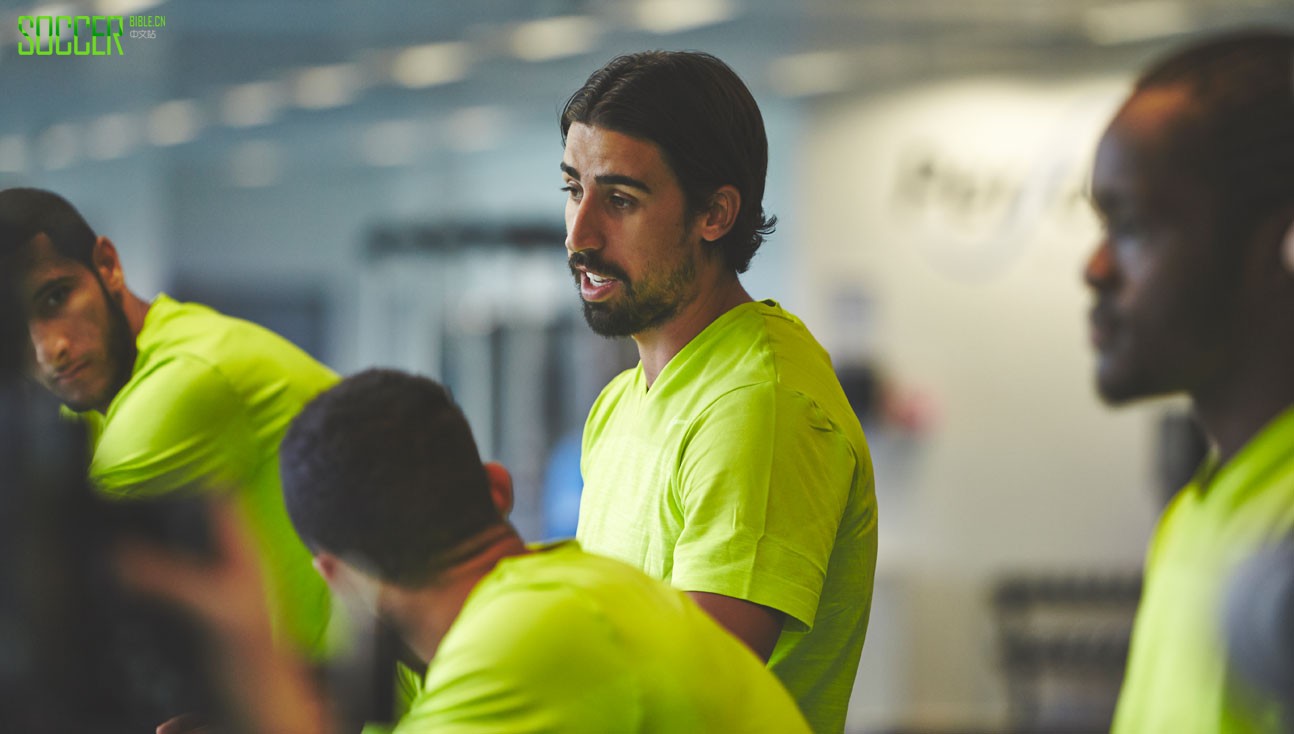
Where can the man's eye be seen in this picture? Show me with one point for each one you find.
(573, 190)
(620, 202)
(57, 297)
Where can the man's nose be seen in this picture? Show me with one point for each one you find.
(1100, 270)
(583, 226)
(51, 345)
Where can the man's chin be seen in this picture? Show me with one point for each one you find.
(80, 400)
(76, 404)
(1118, 389)
(605, 322)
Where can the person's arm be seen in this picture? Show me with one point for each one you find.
(754, 624)
(762, 484)
(183, 425)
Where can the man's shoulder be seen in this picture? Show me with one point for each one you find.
(192, 337)
(534, 611)
(760, 342)
(202, 331)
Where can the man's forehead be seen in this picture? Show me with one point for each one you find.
(1152, 130)
(39, 262)
(1148, 140)
(596, 150)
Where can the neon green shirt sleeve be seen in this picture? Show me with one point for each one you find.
(183, 424)
(761, 513)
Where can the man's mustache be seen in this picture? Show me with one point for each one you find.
(590, 260)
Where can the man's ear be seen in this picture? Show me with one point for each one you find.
(108, 266)
(356, 589)
(500, 487)
(725, 204)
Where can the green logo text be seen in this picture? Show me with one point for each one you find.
(68, 35)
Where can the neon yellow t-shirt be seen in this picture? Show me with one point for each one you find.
(206, 405)
(743, 472)
(1178, 679)
(566, 642)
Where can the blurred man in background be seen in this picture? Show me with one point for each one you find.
(728, 462)
(174, 395)
(383, 480)
(1194, 286)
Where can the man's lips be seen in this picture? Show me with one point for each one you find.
(69, 373)
(596, 287)
(1101, 328)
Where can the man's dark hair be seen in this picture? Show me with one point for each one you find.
(1238, 132)
(30, 212)
(13, 330)
(705, 122)
(382, 468)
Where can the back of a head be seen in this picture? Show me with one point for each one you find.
(705, 121)
(13, 329)
(1238, 133)
(27, 212)
(382, 469)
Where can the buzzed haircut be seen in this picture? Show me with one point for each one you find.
(706, 123)
(1238, 133)
(27, 213)
(382, 470)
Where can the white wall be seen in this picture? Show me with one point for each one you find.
(970, 278)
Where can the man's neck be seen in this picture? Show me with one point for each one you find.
(424, 615)
(658, 346)
(136, 310)
(1236, 408)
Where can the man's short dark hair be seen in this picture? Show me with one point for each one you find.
(30, 212)
(382, 469)
(705, 122)
(13, 329)
(1238, 132)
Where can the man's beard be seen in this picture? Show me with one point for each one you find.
(121, 354)
(636, 309)
(122, 349)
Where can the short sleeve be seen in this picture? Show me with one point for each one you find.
(181, 424)
(763, 483)
(538, 660)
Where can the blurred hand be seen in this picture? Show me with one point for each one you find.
(227, 594)
(269, 686)
(186, 724)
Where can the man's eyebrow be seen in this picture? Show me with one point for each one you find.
(615, 179)
(49, 285)
(610, 179)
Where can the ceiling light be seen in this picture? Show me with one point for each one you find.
(673, 16)
(13, 154)
(432, 64)
(817, 72)
(111, 136)
(322, 87)
(555, 38)
(58, 146)
(1136, 21)
(248, 105)
(175, 122)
